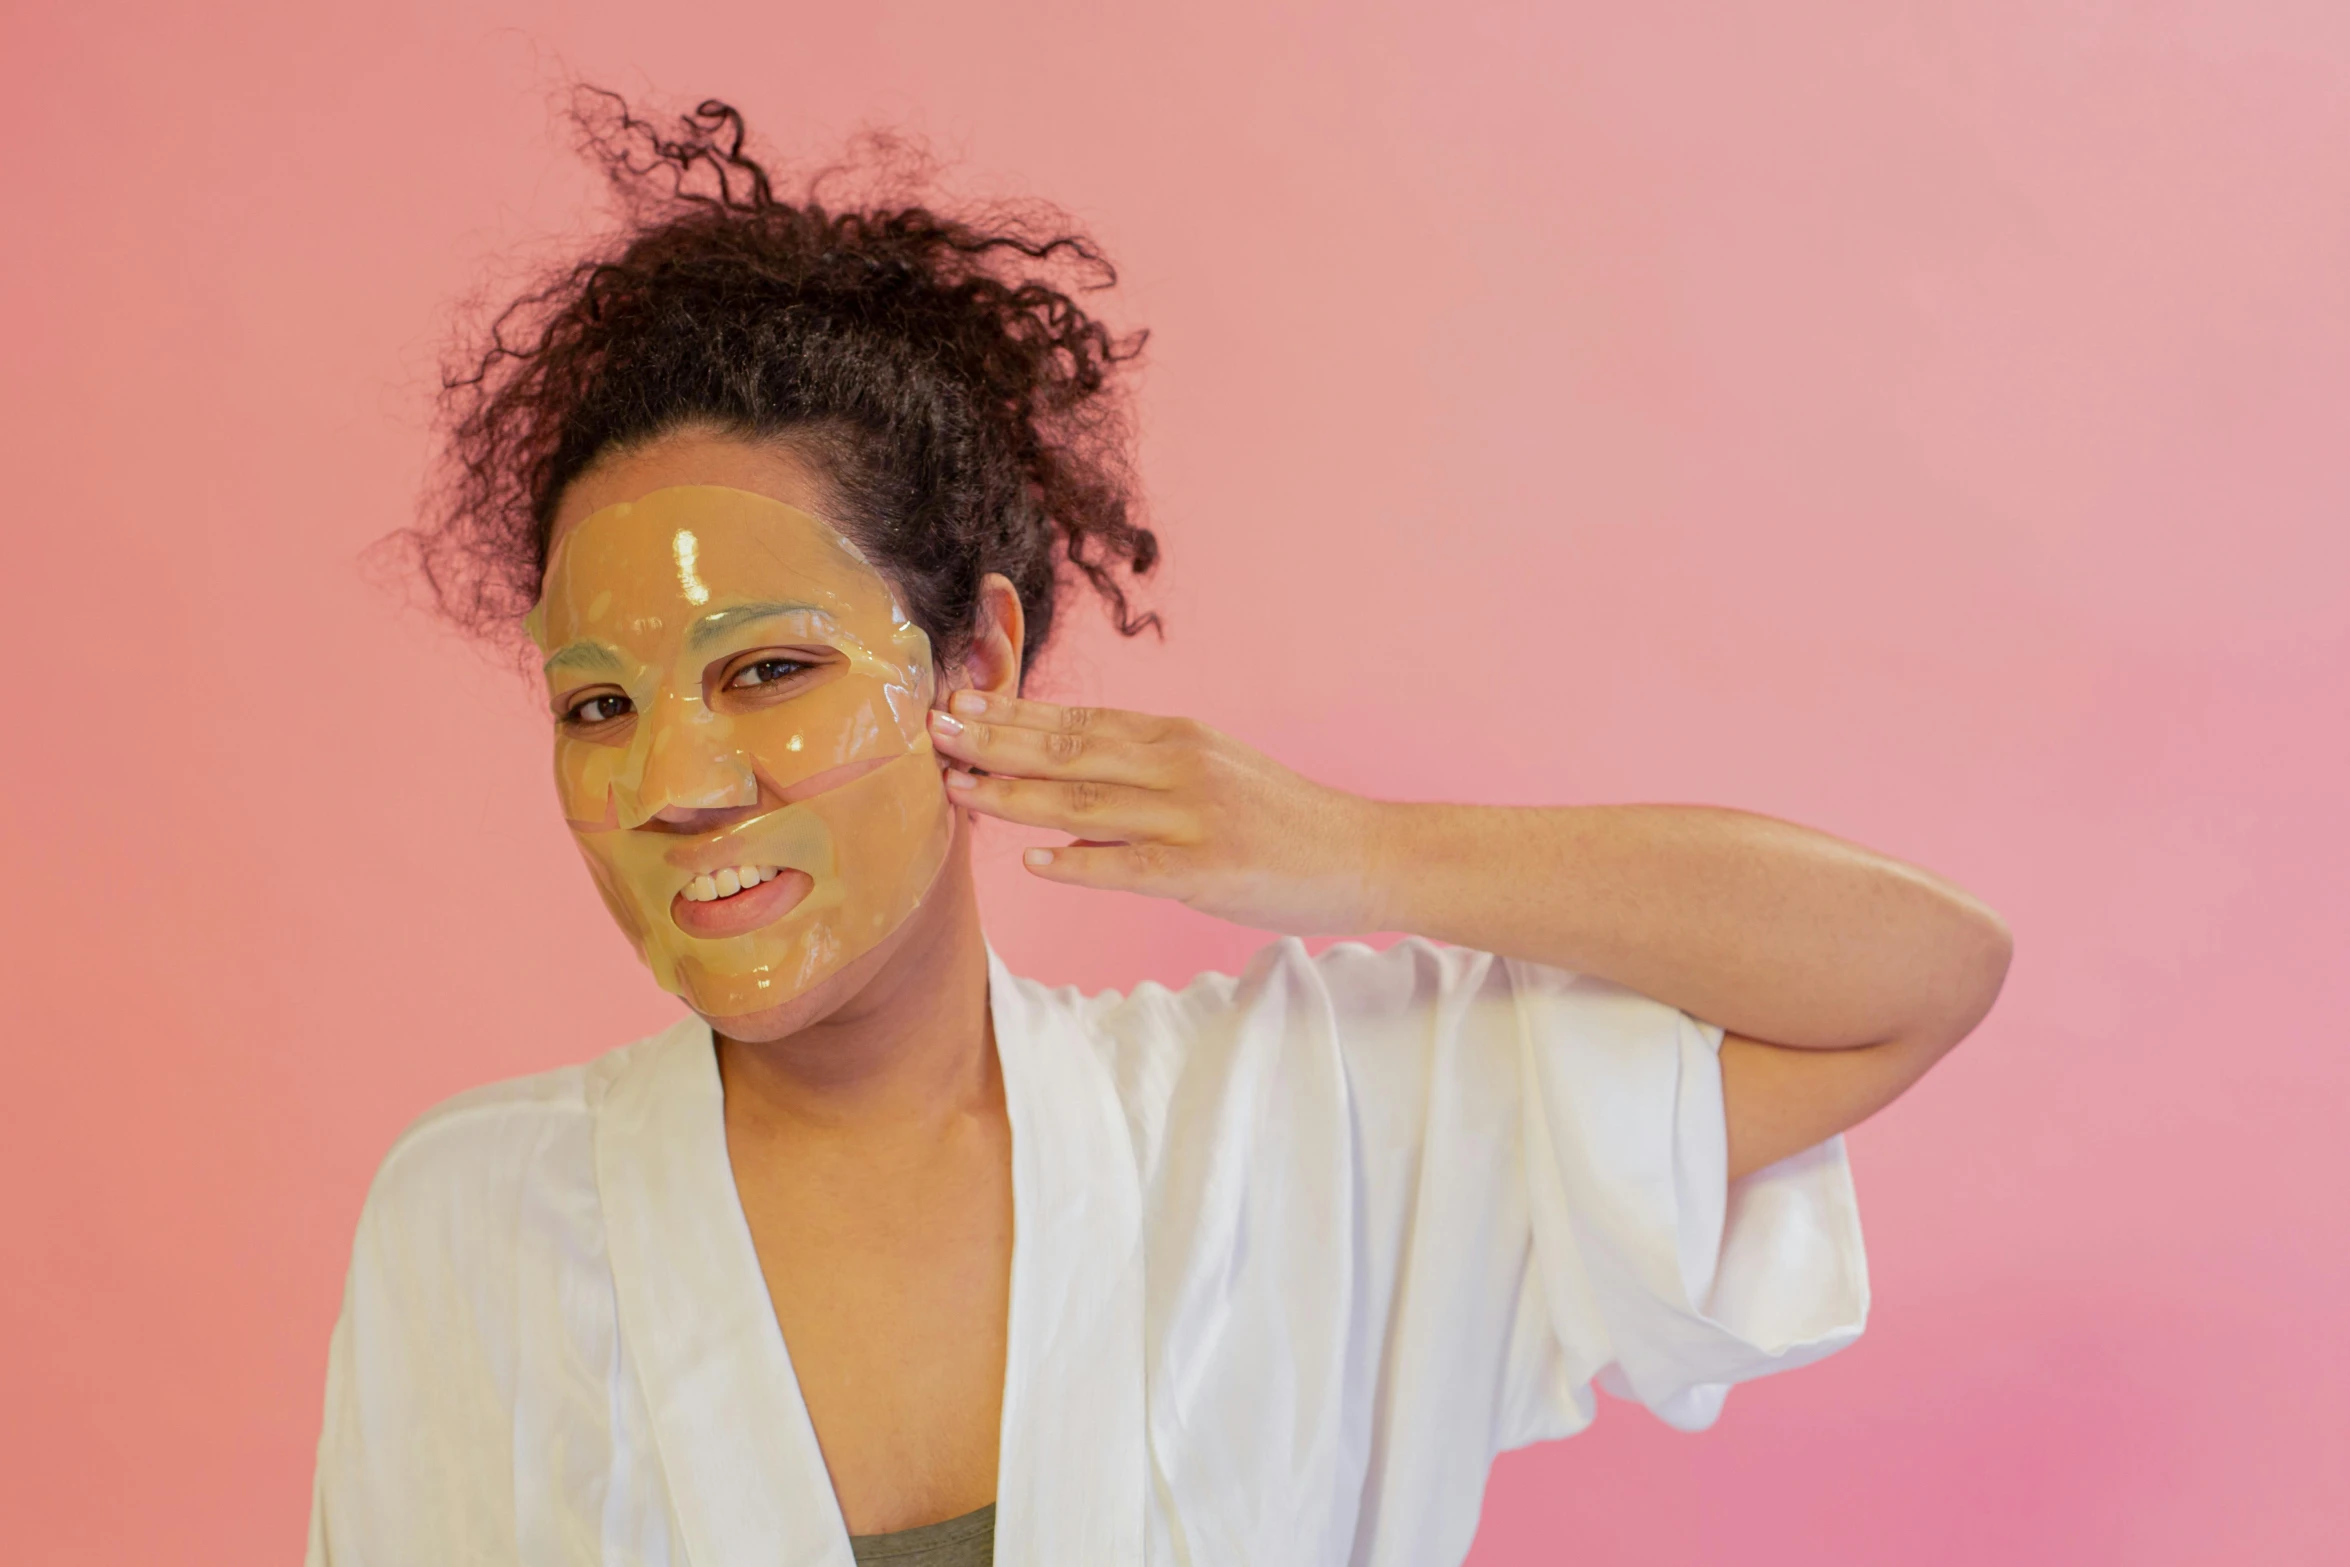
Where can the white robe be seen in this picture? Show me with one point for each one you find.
(1296, 1255)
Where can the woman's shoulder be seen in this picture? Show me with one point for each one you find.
(451, 1198)
(1395, 1034)
(1345, 978)
(483, 1151)
(1293, 1032)
(470, 1134)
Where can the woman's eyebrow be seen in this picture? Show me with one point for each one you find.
(718, 623)
(582, 655)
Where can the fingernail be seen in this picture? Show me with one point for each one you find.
(943, 724)
(1038, 856)
(969, 703)
(957, 780)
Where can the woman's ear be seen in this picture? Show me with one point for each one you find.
(991, 665)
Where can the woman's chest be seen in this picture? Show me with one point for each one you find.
(890, 1282)
(1176, 1335)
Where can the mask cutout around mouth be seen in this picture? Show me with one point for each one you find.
(740, 745)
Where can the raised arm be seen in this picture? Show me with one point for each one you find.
(1838, 975)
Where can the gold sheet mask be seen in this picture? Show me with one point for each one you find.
(761, 662)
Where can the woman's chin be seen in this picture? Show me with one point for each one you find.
(781, 1020)
(813, 1005)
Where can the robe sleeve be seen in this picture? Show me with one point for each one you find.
(447, 1347)
(1654, 1276)
(1576, 1129)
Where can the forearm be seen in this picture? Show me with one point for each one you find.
(1770, 930)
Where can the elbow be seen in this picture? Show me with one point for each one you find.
(1982, 950)
(1995, 950)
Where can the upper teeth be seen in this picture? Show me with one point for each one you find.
(708, 888)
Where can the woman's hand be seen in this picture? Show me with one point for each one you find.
(1167, 807)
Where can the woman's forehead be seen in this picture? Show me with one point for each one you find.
(683, 539)
(690, 562)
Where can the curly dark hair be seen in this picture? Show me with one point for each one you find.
(962, 409)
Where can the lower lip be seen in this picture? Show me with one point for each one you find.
(764, 904)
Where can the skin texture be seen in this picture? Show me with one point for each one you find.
(865, 1117)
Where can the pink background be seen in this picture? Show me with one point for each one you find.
(1929, 426)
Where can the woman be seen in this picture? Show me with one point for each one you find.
(886, 1254)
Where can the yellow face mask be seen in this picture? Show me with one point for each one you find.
(741, 745)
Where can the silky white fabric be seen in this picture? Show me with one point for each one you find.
(1297, 1253)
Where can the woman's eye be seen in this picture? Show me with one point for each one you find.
(601, 709)
(765, 672)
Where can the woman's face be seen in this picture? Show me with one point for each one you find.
(740, 740)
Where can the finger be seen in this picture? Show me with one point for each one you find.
(1154, 868)
(1050, 753)
(1110, 812)
(1019, 712)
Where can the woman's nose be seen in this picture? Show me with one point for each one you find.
(692, 767)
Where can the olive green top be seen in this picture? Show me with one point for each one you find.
(968, 1541)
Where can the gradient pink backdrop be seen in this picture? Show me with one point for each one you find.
(1926, 425)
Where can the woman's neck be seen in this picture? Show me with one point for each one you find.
(909, 1047)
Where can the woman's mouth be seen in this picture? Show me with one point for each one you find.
(740, 898)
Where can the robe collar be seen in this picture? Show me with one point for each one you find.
(737, 1450)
